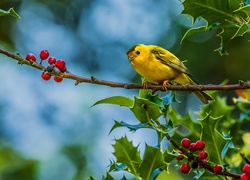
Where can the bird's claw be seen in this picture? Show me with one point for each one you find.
(164, 85)
(145, 85)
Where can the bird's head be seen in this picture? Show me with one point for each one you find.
(135, 51)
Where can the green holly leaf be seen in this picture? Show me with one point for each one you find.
(152, 159)
(218, 108)
(212, 10)
(193, 31)
(127, 154)
(147, 94)
(145, 110)
(231, 17)
(215, 142)
(131, 127)
(230, 30)
(193, 127)
(10, 12)
(116, 100)
(168, 157)
(243, 9)
(227, 146)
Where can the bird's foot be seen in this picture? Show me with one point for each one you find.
(164, 85)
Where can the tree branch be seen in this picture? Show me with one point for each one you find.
(93, 80)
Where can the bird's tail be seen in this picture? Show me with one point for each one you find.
(204, 97)
(185, 79)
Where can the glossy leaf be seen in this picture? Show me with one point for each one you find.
(152, 159)
(145, 110)
(129, 126)
(10, 12)
(127, 154)
(187, 121)
(116, 100)
(147, 94)
(231, 17)
(217, 108)
(211, 10)
(215, 142)
(193, 31)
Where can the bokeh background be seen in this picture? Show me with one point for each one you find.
(49, 130)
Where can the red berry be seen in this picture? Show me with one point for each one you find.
(203, 155)
(60, 64)
(30, 57)
(192, 147)
(244, 176)
(217, 169)
(246, 169)
(52, 60)
(199, 145)
(185, 143)
(44, 54)
(58, 79)
(185, 168)
(63, 70)
(45, 76)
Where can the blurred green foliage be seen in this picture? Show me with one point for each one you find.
(14, 166)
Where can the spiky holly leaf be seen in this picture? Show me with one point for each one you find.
(145, 110)
(116, 100)
(218, 108)
(10, 12)
(215, 142)
(193, 31)
(212, 10)
(153, 158)
(127, 154)
(230, 16)
(193, 127)
(168, 156)
(131, 127)
(147, 94)
(229, 31)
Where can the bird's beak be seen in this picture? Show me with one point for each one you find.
(130, 59)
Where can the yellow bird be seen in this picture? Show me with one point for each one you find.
(158, 65)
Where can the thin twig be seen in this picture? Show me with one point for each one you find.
(94, 80)
(244, 157)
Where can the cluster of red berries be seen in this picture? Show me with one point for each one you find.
(59, 64)
(202, 155)
(246, 172)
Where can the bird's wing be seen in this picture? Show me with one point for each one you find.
(169, 59)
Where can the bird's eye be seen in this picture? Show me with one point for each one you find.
(138, 52)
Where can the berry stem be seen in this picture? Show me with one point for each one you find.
(199, 161)
(244, 157)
